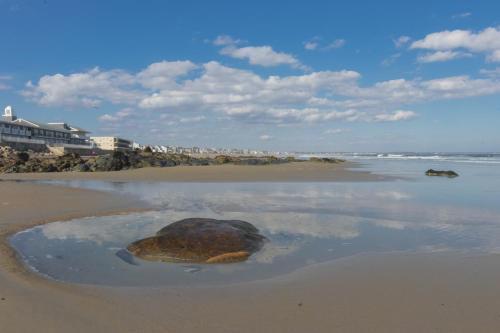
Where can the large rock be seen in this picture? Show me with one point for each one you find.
(200, 240)
(442, 173)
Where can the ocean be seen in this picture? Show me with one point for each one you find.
(307, 223)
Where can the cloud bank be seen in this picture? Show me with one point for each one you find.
(486, 41)
(183, 88)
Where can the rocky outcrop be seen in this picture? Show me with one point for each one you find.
(20, 162)
(200, 240)
(249, 160)
(326, 160)
(12, 161)
(442, 173)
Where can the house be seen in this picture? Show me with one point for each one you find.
(26, 134)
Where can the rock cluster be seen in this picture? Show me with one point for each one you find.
(12, 161)
(326, 160)
(200, 240)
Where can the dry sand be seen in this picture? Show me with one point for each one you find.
(439, 292)
(289, 172)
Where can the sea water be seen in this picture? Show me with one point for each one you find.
(306, 223)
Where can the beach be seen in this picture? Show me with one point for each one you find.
(289, 172)
(373, 292)
(249, 167)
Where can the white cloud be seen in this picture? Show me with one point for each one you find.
(265, 137)
(336, 131)
(491, 72)
(311, 45)
(223, 40)
(232, 93)
(336, 44)
(86, 89)
(163, 74)
(494, 56)
(118, 116)
(485, 41)
(91, 88)
(3, 84)
(461, 86)
(401, 41)
(391, 59)
(315, 44)
(256, 55)
(396, 116)
(192, 119)
(262, 56)
(440, 56)
(461, 15)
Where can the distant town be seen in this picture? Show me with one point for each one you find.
(62, 138)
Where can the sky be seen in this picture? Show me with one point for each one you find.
(360, 76)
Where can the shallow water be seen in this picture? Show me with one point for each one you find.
(307, 223)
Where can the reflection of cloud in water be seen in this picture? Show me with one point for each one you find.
(125, 227)
(310, 212)
(321, 226)
(116, 229)
(390, 224)
(307, 199)
(271, 251)
(395, 195)
(288, 231)
(384, 205)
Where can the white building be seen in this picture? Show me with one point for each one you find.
(136, 145)
(18, 131)
(112, 143)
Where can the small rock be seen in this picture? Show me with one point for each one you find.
(443, 173)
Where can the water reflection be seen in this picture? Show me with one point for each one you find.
(306, 223)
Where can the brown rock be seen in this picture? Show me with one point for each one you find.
(228, 257)
(200, 240)
(445, 173)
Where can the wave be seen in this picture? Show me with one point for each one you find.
(481, 158)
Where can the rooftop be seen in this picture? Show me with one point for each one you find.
(10, 117)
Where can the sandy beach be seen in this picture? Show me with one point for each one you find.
(447, 292)
(289, 172)
(250, 166)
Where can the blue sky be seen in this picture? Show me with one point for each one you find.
(311, 75)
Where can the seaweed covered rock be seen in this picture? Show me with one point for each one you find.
(442, 173)
(326, 160)
(200, 240)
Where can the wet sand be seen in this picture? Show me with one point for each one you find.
(289, 172)
(437, 292)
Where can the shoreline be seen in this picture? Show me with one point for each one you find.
(389, 292)
(289, 172)
(110, 205)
